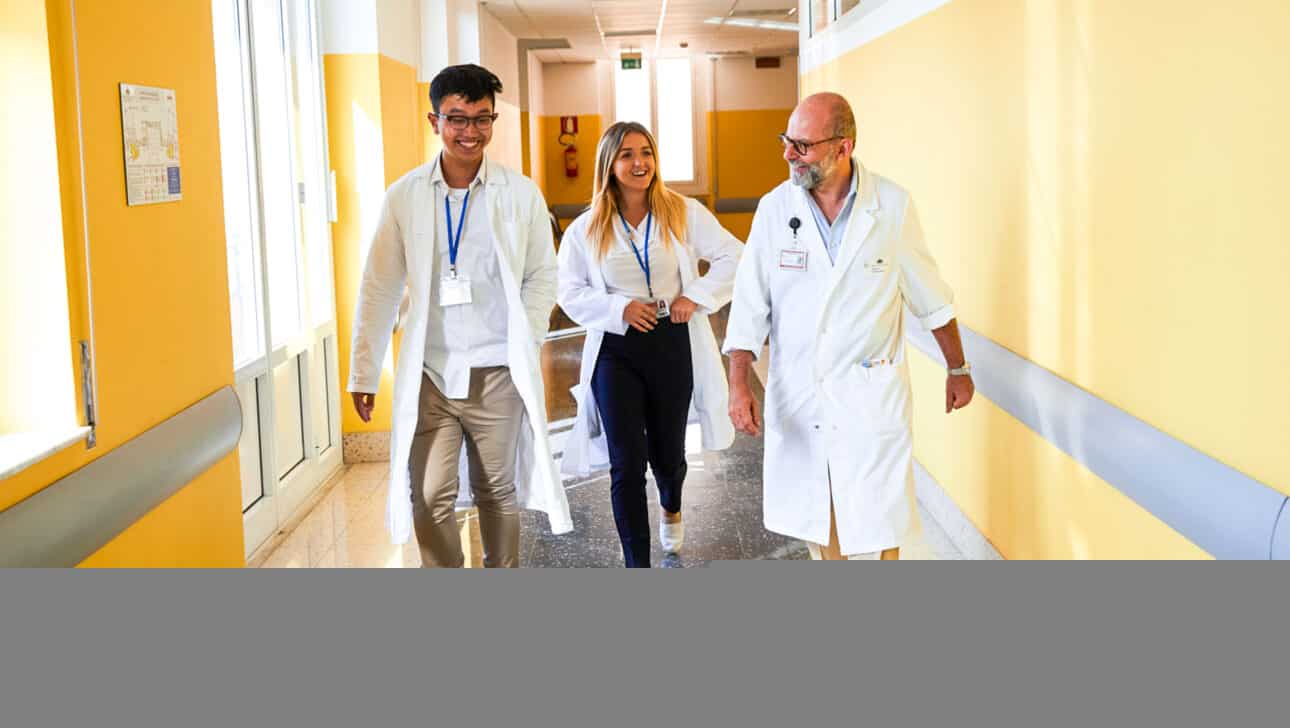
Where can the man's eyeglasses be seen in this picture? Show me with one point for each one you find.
(802, 146)
(483, 123)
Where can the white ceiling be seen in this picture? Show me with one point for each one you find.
(585, 23)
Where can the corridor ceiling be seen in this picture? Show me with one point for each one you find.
(602, 29)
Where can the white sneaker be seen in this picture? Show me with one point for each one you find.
(672, 535)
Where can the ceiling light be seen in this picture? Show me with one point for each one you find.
(754, 23)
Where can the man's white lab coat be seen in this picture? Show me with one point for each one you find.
(403, 254)
(837, 409)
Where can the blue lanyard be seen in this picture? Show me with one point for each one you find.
(454, 242)
(642, 262)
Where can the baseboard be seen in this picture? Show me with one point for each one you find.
(961, 531)
(366, 447)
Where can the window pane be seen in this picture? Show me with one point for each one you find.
(313, 165)
(273, 119)
(675, 120)
(239, 190)
(631, 95)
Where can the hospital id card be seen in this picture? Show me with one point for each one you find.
(661, 309)
(792, 260)
(454, 291)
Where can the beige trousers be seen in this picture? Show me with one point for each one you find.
(488, 423)
(833, 552)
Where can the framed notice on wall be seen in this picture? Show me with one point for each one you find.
(150, 135)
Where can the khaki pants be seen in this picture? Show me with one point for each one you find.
(833, 552)
(488, 423)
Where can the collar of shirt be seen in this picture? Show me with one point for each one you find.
(832, 234)
(436, 174)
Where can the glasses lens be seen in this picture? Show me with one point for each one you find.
(483, 122)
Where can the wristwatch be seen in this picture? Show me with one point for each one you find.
(964, 370)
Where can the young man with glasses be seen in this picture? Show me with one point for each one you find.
(834, 257)
(470, 241)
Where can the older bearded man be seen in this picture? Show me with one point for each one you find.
(833, 258)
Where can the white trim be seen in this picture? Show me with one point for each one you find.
(862, 25)
(964, 534)
(22, 449)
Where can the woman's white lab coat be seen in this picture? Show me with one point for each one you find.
(827, 414)
(586, 299)
(403, 254)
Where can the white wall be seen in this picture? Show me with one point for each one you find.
(348, 26)
(572, 88)
(398, 30)
(741, 86)
(498, 52)
(537, 85)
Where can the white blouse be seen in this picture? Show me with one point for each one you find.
(624, 275)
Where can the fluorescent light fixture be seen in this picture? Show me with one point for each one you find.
(627, 33)
(754, 23)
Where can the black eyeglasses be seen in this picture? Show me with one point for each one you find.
(801, 146)
(483, 123)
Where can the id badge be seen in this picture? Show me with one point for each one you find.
(454, 291)
(792, 260)
(661, 309)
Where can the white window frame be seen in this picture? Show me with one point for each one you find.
(312, 347)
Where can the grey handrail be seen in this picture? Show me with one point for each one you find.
(67, 521)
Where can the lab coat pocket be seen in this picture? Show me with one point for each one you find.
(876, 398)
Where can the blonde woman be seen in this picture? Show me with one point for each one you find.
(629, 273)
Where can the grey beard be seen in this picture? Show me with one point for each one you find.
(810, 179)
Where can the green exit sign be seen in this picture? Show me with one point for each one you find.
(630, 63)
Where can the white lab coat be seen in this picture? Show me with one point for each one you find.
(826, 414)
(586, 299)
(403, 255)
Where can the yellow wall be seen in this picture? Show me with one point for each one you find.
(559, 189)
(161, 314)
(748, 159)
(1101, 182)
(401, 123)
(377, 131)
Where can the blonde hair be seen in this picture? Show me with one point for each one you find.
(668, 207)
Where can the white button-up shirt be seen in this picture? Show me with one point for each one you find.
(623, 273)
(470, 335)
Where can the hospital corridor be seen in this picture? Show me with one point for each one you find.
(210, 208)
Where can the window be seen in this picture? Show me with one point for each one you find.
(632, 96)
(670, 116)
(826, 12)
(676, 120)
(38, 373)
(276, 190)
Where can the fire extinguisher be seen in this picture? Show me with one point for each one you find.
(568, 134)
(571, 161)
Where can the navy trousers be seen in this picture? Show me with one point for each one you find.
(643, 383)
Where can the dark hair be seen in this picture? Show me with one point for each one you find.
(473, 82)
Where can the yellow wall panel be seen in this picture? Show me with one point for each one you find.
(738, 223)
(355, 138)
(561, 189)
(400, 127)
(160, 288)
(749, 158)
(1100, 182)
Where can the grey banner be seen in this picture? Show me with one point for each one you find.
(746, 644)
